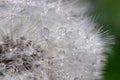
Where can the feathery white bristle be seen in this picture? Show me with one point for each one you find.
(51, 39)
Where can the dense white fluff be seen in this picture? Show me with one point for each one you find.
(71, 46)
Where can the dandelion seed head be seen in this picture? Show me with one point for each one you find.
(50, 40)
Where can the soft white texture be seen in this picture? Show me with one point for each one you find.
(73, 45)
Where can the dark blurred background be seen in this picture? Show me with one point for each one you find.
(107, 13)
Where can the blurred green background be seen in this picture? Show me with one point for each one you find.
(108, 14)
